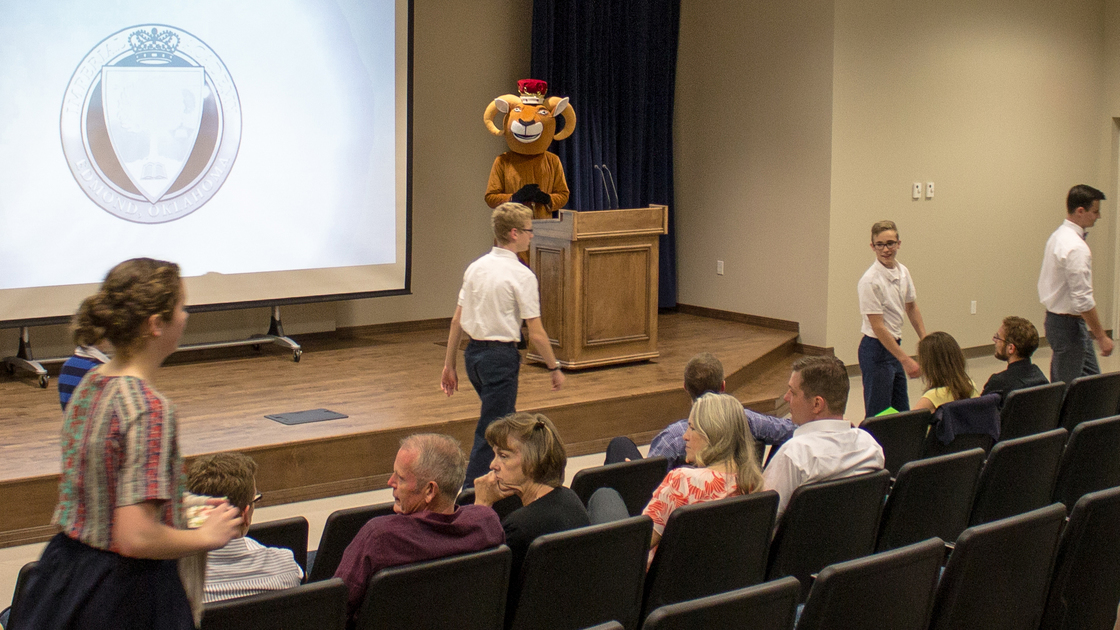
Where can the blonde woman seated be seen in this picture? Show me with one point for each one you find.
(943, 370)
(720, 447)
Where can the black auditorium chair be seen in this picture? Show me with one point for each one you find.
(1090, 461)
(1018, 476)
(998, 573)
(826, 523)
(931, 497)
(290, 533)
(339, 530)
(892, 590)
(21, 582)
(711, 547)
(1090, 398)
(767, 606)
(503, 507)
(466, 592)
(635, 481)
(1031, 410)
(1085, 587)
(583, 577)
(318, 606)
(900, 434)
(976, 422)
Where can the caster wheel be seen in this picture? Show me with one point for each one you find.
(296, 354)
(43, 381)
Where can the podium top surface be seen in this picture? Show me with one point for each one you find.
(573, 225)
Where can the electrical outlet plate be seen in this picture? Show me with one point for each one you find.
(929, 190)
(719, 267)
(917, 190)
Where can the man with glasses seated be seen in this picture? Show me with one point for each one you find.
(1015, 342)
(886, 293)
(244, 566)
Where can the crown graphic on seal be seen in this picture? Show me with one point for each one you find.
(532, 91)
(153, 47)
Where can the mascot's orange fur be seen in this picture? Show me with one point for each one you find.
(528, 173)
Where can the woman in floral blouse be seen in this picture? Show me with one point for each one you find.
(720, 447)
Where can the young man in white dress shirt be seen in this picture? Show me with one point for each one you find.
(1065, 288)
(824, 446)
(498, 292)
(886, 293)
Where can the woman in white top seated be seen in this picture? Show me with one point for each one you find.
(944, 371)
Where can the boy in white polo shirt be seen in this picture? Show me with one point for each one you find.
(886, 292)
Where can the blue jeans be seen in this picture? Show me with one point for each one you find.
(884, 380)
(1072, 346)
(493, 368)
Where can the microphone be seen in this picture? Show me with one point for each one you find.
(606, 191)
(616, 202)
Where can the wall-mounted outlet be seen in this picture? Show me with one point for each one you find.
(929, 190)
(917, 190)
(972, 308)
(719, 267)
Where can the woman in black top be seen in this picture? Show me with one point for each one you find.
(529, 461)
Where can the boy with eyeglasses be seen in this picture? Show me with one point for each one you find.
(886, 293)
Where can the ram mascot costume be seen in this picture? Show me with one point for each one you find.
(528, 173)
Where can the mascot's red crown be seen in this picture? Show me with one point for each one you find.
(532, 91)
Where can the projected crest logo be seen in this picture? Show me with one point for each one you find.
(151, 124)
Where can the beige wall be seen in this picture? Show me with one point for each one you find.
(1001, 104)
(752, 140)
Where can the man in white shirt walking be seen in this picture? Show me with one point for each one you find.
(886, 294)
(498, 292)
(1065, 288)
(824, 446)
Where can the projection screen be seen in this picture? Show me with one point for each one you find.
(262, 145)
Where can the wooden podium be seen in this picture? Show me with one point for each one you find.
(598, 277)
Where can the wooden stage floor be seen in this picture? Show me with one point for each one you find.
(388, 385)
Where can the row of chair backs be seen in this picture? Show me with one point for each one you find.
(338, 532)
(711, 547)
(1090, 398)
(825, 523)
(318, 606)
(930, 498)
(635, 481)
(1031, 410)
(466, 591)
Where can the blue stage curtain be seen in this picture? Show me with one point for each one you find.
(616, 60)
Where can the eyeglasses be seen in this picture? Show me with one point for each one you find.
(886, 245)
(258, 498)
(996, 338)
(529, 230)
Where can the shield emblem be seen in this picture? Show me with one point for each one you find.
(152, 115)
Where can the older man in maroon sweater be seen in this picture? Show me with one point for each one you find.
(427, 474)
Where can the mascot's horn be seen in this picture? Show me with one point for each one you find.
(567, 112)
(492, 110)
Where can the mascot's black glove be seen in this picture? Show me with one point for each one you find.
(527, 194)
(543, 198)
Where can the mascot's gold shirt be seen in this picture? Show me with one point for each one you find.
(512, 170)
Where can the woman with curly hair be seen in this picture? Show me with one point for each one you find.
(119, 509)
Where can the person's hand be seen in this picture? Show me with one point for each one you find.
(223, 524)
(487, 491)
(525, 194)
(558, 379)
(449, 382)
(913, 370)
(1105, 344)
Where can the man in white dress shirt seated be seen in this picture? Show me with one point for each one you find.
(824, 446)
(244, 566)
